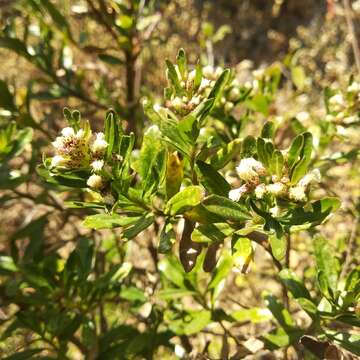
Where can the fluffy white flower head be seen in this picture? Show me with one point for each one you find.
(97, 165)
(236, 194)
(260, 191)
(276, 189)
(297, 193)
(95, 182)
(250, 169)
(312, 177)
(100, 144)
(68, 132)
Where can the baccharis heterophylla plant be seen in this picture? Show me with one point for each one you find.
(174, 176)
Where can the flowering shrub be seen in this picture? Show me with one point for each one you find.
(216, 219)
(177, 182)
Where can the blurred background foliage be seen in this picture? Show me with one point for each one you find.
(68, 292)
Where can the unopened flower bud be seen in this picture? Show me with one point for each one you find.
(228, 106)
(192, 75)
(208, 71)
(234, 94)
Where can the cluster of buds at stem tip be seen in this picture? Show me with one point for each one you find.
(256, 183)
(81, 150)
(192, 97)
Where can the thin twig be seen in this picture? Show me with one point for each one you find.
(351, 29)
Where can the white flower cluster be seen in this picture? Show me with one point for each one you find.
(81, 149)
(251, 170)
(185, 104)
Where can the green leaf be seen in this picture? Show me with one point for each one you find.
(140, 225)
(278, 163)
(110, 59)
(132, 294)
(268, 130)
(181, 62)
(278, 246)
(188, 127)
(23, 137)
(112, 133)
(300, 168)
(151, 146)
(279, 312)
(200, 319)
(226, 208)
(7, 265)
(221, 82)
(198, 76)
(225, 154)
(254, 315)
(308, 306)
(167, 238)
(352, 283)
(172, 270)
(294, 284)
(349, 342)
(174, 174)
(249, 147)
(298, 77)
(295, 150)
(262, 154)
(259, 103)
(173, 78)
(58, 19)
(212, 180)
(184, 200)
(170, 294)
(15, 45)
(223, 268)
(108, 221)
(318, 212)
(243, 252)
(211, 232)
(6, 98)
(35, 232)
(326, 262)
